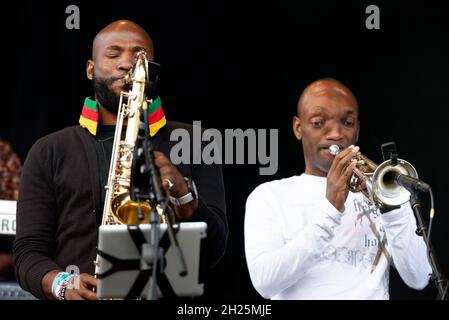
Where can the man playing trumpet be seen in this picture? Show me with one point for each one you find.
(309, 236)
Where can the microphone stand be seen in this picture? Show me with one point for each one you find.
(152, 254)
(437, 276)
(389, 151)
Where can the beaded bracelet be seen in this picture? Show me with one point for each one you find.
(60, 283)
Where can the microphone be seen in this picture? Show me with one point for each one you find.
(412, 184)
(145, 176)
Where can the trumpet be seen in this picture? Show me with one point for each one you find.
(378, 182)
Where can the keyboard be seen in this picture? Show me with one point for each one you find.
(13, 291)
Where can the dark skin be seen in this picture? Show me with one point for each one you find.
(113, 53)
(327, 115)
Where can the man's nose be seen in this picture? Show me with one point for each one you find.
(335, 133)
(126, 62)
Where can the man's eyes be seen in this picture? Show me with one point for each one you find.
(317, 123)
(320, 123)
(349, 123)
(112, 54)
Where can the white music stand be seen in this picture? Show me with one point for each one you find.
(119, 267)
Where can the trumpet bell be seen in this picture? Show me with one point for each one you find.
(384, 184)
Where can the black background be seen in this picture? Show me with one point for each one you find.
(234, 64)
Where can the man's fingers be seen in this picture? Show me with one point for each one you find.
(80, 294)
(160, 159)
(81, 288)
(72, 295)
(87, 294)
(343, 158)
(89, 280)
(338, 157)
(165, 184)
(344, 161)
(345, 176)
(166, 172)
(349, 168)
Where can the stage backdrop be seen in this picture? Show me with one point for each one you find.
(236, 65)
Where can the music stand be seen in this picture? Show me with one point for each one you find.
(123, 274)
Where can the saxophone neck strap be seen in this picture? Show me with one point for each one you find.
(90, 116)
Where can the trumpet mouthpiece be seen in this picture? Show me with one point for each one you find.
(334, 149)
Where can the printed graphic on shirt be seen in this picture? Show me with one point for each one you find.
(370, 244)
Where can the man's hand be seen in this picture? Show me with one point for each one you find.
(179, 188)
(87, 283)
(169, 172)
(339, 175)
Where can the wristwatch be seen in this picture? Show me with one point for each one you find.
(190, 196)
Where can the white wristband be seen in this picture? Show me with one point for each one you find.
(60, 283)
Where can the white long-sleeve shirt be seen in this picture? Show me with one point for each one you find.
(299, 246)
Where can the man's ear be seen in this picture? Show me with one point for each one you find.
(297, 129)
(90, 69)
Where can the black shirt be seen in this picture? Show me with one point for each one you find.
(60, 195)
(103, 146)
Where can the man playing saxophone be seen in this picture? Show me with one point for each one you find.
(309, 236)
(62, 194)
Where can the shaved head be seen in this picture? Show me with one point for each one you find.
(128, 27)
(324, 87)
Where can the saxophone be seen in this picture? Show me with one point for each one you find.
(118, 206)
